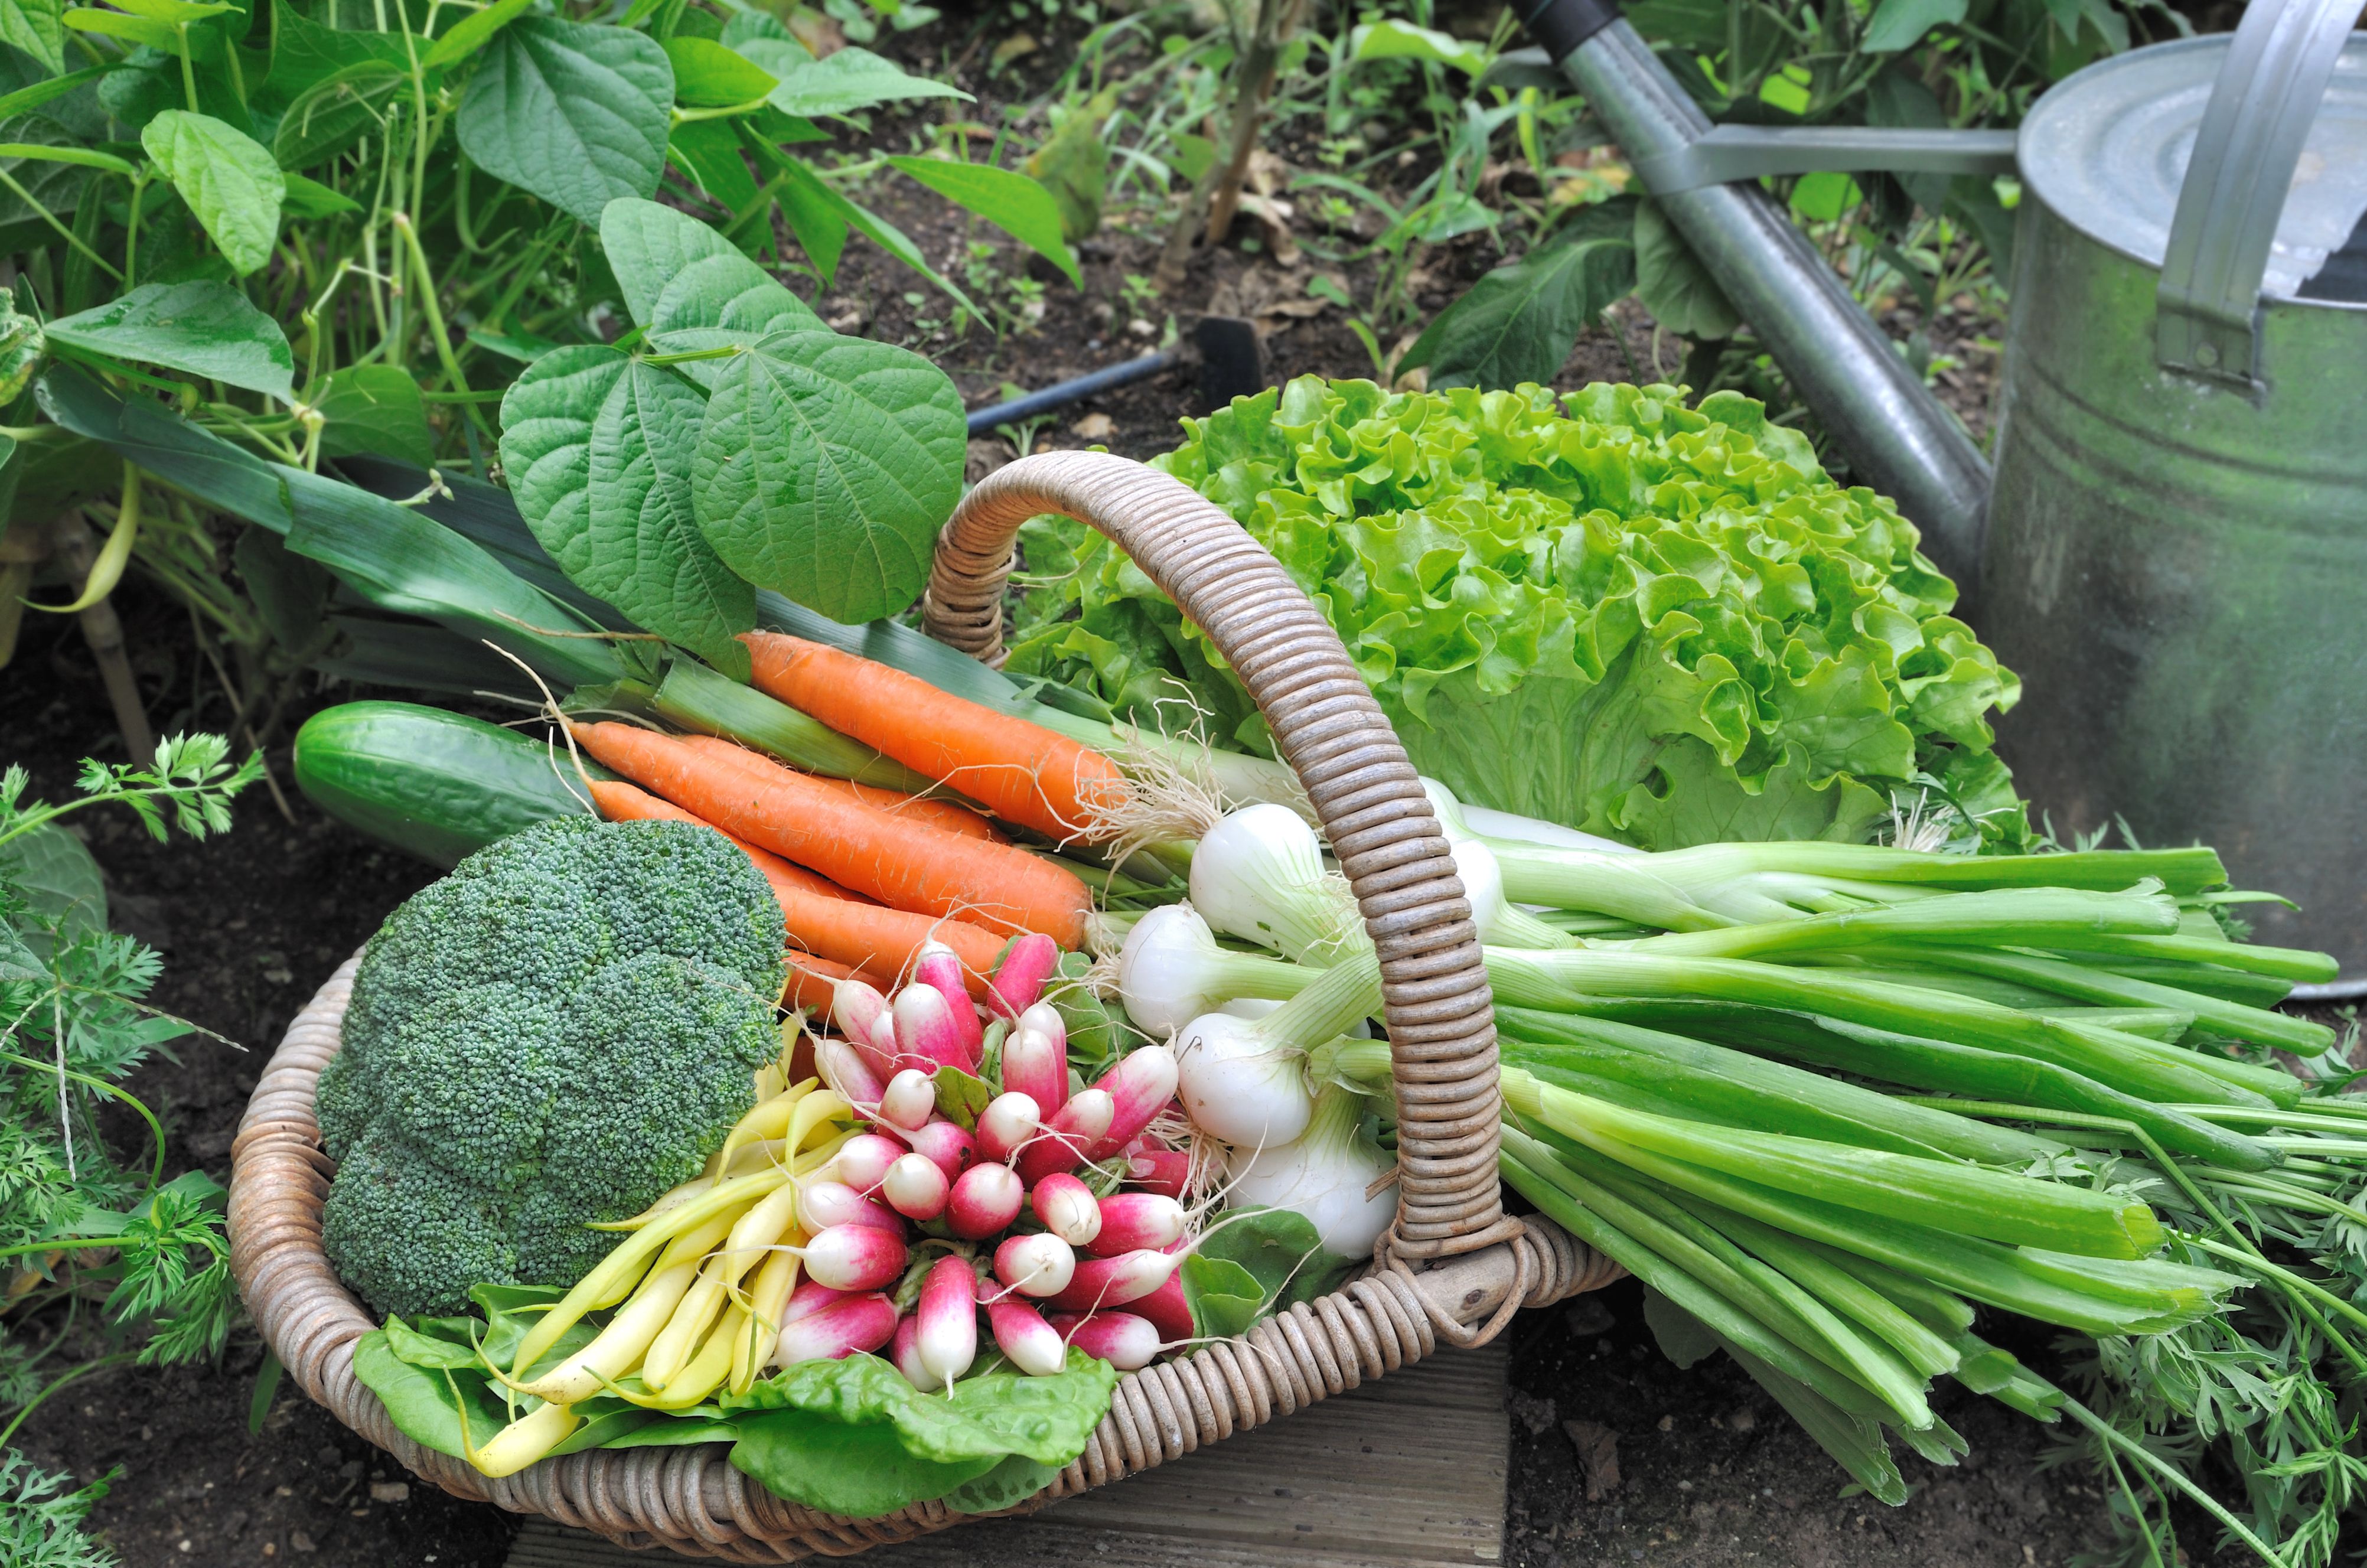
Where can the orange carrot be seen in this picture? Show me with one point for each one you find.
(905, 865)
(622, 802)
(1020, 772)
(917, 808)
(822, 920)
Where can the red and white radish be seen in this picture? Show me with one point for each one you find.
(927, 1033)
(1098, 1282)
(1028, 1342)
(915, 1188)
(947, 1315)
(1125, 1341)
(859, 1011)
(1035, 1063)
(1132, 1221)
(1164, 1171)
(1067, 1208)
(984, 1201)
(953, 1149)
(1069, 1131)
(861, 1323)
(1018, 980)
(1006, 1123)
(847, 1069)
(810, 1297)
(904, 1352)
(1041, 1265)
(821, 1204)
(909, 1100)
(1168, 1309)
(937, 967)
(1140, 1086)
(855, 1257)
(863, 1159)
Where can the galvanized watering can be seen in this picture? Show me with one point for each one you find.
(2172, 548)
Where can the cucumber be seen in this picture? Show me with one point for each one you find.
(433, 784)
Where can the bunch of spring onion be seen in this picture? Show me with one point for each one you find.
(848, 1213)
(1827, 1100)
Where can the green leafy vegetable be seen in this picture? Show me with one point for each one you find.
(825, 468)
(573, 112)
(852, 1437)
(849, 79)
(598, 449)
(229, 181)
(1658, 623)
(206, 329)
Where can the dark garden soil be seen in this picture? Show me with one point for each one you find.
(1618, 1456)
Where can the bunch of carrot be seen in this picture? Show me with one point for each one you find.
(866, 876)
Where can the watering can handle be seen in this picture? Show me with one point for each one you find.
(2249, 143)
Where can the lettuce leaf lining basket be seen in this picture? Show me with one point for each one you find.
(1453, 1268)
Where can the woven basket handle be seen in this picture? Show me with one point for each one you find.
(1328, 727)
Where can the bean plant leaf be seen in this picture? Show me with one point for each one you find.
(336, 112)
(709, 151)
(825, 468)
(707, 75)
(1020, 207)
(599, 450)
(36, 26)
(1901, 24)
(373, 408)
(205, 329)
(749, 26)
(1673, 284)
(1391, 39)
(310, 199)
(691, 287)
(304, 52)
(55, 185)
(572, 112)
(471, 32)
(852, 79)
(1519, 323)
(229, 179)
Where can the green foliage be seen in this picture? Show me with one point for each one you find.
(1611, 610)
(231, 185)
(206, 329)
(76, 1221)
(849, 1435)
(41, 1516)
(554, 1034)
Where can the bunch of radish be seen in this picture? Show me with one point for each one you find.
(993, 1221)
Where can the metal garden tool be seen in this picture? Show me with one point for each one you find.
(2172, 548)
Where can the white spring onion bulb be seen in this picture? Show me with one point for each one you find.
(1243, 1081)
(1258, 875)
(1172, 970)
(1323, 1174)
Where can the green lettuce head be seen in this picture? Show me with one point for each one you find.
(1663, 624)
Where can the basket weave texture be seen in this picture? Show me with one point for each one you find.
(1453, 1268)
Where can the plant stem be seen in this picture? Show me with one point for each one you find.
(435, 313)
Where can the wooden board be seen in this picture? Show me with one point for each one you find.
(1407, 1473)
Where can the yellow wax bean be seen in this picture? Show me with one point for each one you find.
(622, 1344)
(612, 1279)
(524, 1440)
(768, 1294)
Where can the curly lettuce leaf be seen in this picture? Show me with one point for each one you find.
(1663, 624)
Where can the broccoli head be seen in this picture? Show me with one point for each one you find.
(551, 1035)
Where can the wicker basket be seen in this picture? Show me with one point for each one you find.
(1453, 1268)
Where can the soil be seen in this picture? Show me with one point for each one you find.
(1708, 1471)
